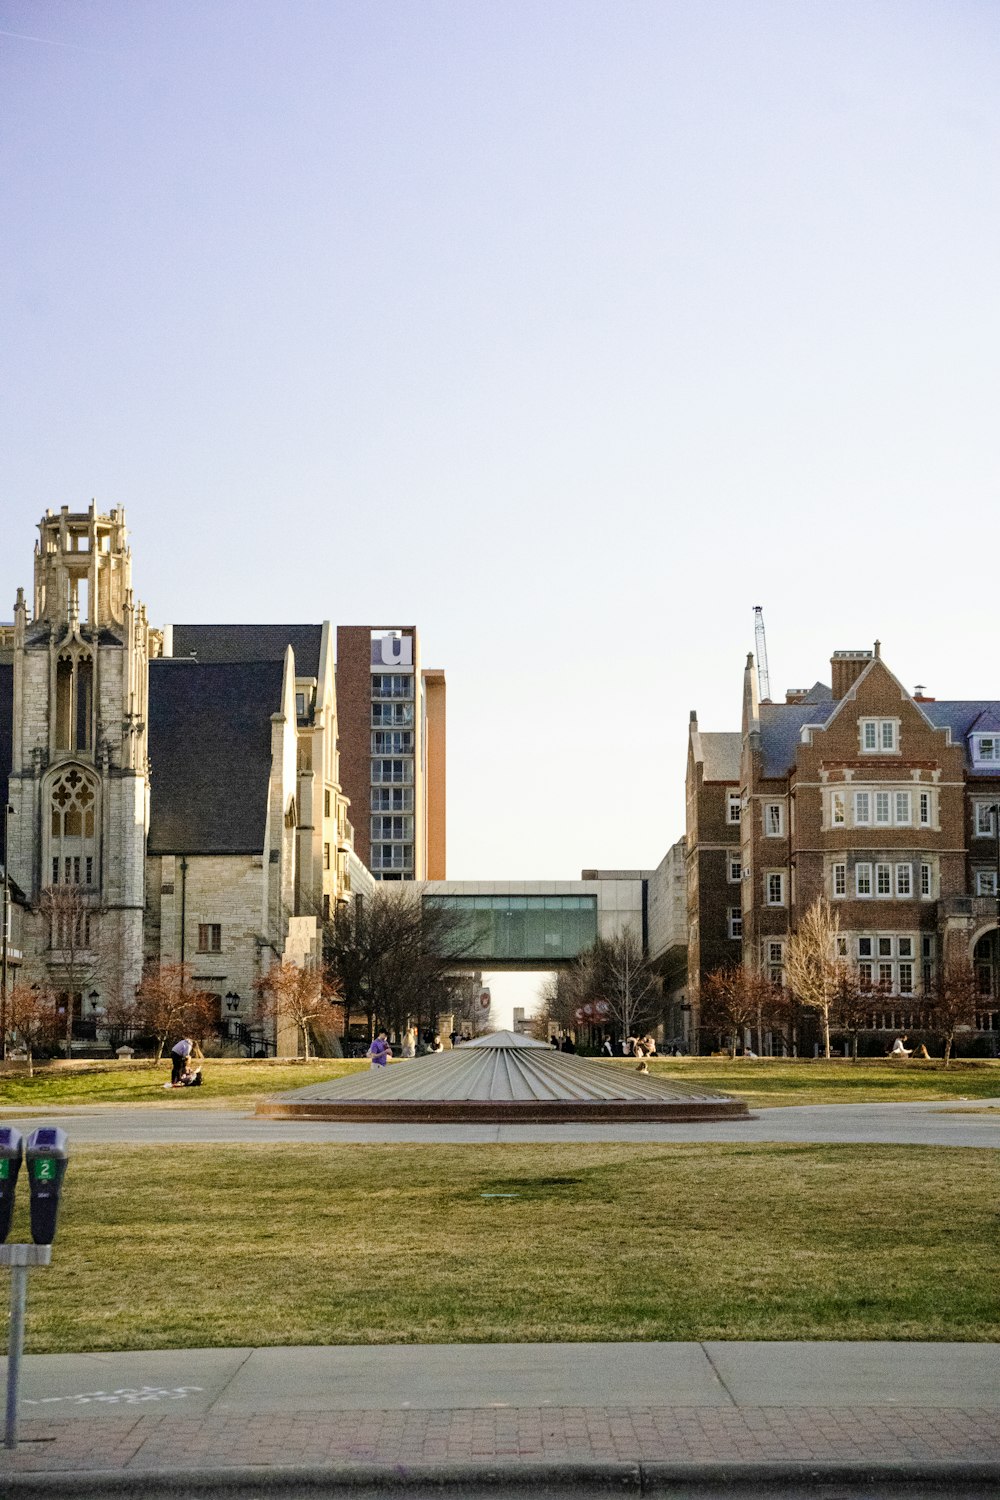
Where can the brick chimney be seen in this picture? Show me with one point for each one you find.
(845, 668)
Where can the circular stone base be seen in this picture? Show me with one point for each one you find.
(503, 1112)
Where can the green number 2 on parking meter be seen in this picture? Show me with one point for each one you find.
(45, 1169)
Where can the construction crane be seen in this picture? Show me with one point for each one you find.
(763, 675)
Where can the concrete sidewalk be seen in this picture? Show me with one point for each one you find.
(525, 1417)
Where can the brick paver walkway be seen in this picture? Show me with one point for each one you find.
(141, 1441)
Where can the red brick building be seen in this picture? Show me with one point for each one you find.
(884, 801)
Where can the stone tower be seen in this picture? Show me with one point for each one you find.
(79, 785)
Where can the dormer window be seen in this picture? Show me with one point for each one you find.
(986, 750)
(879, 736)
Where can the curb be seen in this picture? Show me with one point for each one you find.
(960, 1480)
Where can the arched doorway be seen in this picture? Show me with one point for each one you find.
(986, 961)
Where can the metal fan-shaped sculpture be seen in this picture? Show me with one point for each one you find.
(508, 1078)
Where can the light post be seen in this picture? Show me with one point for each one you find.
(7, 810)
(996, 894)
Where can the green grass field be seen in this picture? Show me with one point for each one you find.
(370, 1244)
(763, 1083)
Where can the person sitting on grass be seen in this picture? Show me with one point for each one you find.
(899, 1047)
(191, 1077)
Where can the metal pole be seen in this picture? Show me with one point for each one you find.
(996, 892)
(6, 920)
(15, 1348)
(20, 1259)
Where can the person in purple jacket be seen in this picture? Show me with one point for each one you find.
(380, 1051)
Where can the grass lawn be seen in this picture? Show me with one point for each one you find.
(371, 1244)
(140, 1083)
(767, 1082)
(763, 1083)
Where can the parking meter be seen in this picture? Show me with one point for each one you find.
(10, 1164)
(47, 1158)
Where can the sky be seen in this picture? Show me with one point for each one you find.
(567, 330)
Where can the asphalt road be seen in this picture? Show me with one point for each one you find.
(943, 1123)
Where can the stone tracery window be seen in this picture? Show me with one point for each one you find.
(73, 828)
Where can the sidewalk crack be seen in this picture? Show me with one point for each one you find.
(210, 1409)
(718, 1376)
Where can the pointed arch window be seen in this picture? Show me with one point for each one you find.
(73, 824)
(74, 701)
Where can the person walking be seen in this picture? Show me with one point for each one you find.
(380, 1051)
(179, 1054)
(409, 1048)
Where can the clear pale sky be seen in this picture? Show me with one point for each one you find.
(568, 330)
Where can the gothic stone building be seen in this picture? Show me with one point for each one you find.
(885, 802)
(178, 787)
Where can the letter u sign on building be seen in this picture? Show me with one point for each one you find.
(390, 648)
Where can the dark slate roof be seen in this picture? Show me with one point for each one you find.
(6, 735)
(210, 755)
(780, 728)
(225, 643)
(962, 718)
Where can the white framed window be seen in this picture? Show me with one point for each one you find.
(386, 799)
(905, 984)
(865, 975)
(392, 857)
(904, 947)
(885, 976)
(840, 945)
(389, 772)
(883, 808)
(904, 880)
(733, 807)
(986, 882)
(775, 952)
(925, 809)
(392, 715)
(926, 880)
(862, 879)
(736, 921)
(884, 947)
(392, 685)
(883, 880)
(392, 741)
(865, 947)
(986, 749)
(840, 880)
(393, 827)
(837, 812)
(985, 819)
(774, 888)
(734, 869)
(862, 807)
(902, 808)
(879, 736)
(774, 819)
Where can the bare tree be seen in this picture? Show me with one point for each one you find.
(299, 997)
(33, 1019)
(391, 955)
(813, 967)
(735, 1000)
(852, 1004)
(164, 1002)
(614, 975)
(68, 911)
(953, 1006)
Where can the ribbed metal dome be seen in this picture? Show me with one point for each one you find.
(500, 1077)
